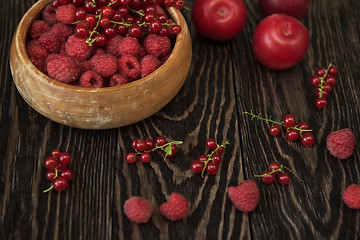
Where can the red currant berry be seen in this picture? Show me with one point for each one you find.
(333, 70)
(133, 143)
(211, 143)
(105, 22)
(81, 31)
(289, 120)
(160, 141)
(67, 173)
(175, 29)
(62, 167)
(322, 93)
(203, 158)
(216, 158)
(55, 153)
(107, 11)
(80, 13)
(114, 3)
(307, 139)
(91, 20)
(274, 130)
(65, 158)
(331, 80)
(109, 32)
(145, 157)
(303, 125)
(150, 144)
(100, 40)
(197, 166)
(50, 175)
(274, 166)
(60, 183)
(321, 103)
(131, 157)
(315, 81)
(140, 145)
(267, 178)
(173, 150)
(155, 26)
(220, 150)
(292, 134)
(321, 71)
(327, 87)
(179, 4)
(283, 178)
(211, 168)
(51, 163)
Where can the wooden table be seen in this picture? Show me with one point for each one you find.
(225, 80)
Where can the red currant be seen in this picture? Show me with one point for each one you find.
(173, 150)
(60, 183)
(303, 125)
(65, 158)
(145, 157)
(267, 178)
(211, 143)
(67, 173)
(211, 168)
(131, 157)
(331, 80)
(216, 158)
(322, 93)
(150, 144)
(327, 87)
(321, 71)
(203, 158)
(50, 174)
(274, 130)
(160, 141)
(321, 103)
(197, 166)
(307, 139)
(333, 70)
(274, 166)
(220, 150)
(289, 120)
(140, 145)
(51, 163)
(283, 178)
(107, 11)
(315, 81)
(55, 153)
(292, 134)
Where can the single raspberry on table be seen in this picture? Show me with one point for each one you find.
(138, 209)
(50, 41)
(37, 28)
(112, 44)
(341, 143)
(62, 68)
(66, 13)
(130, 67)
(149, 63)
(129, 46)
(175, 208)
(104, 64)
(351, 196)
(61, 30)
(117, 80)
(78, 48)
(35, 50)
(49, 14)
(245, 196)
(156, 45)
(91, 79)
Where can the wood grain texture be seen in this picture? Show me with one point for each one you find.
(224, 81)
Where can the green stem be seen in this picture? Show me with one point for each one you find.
(322, 79)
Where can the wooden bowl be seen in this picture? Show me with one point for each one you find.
(100, 108)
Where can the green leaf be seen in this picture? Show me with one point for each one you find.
(168, 150)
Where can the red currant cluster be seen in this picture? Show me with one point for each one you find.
(58, 172)
(274, 168)
(293, 130)
(99, 20)
(210, 162)
(324, 80)
(143, 147)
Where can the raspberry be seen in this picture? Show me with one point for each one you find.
(62, 68)
(91, 79)
(62, 31)
(245, 196)
(35, 50)
(85, 66)
(149, 63)
(39, 63)
(49, 14)
(78, 48)
(175, 208)
(112, 45)
(138, 209)
(117, 80)
(66, 13)
(49, 41)
(351, 196)
(37, 28)
(104, 64)
(130, 67)
(158, 46)
(341, 143)
(129, 46)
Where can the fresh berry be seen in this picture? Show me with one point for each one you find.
(138, 209)
(51, 174)
(35, 50)
(211, 143)
(148, 64)
(66, 13)
(267, 177)
(49, 14)
(50, 41)
(67, 173)
(321, 103)
(78, 48)
(91, 79)
(274, 130)
(197, 166)
(37, 28)
(211, 168)
(145, 157)
(60, 183)
(51, 163)
(104, 64)
(117, 80)
(175, 208)
(351, 196)
(171, 150)
(292, 134)
(283, 178)
(65, 158)
(160, 141)
(245, 196)
(307, 139)
(62, 31)
(131, 157)
(274, 166)
(129, 46)
(140, 145)
(156, 45)
(289, 121)
(130, 67)
(112, 45)
(62, 68)
(341, 143)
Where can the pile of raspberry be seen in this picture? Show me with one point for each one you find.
(102, 43)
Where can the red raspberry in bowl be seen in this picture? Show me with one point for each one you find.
(62, 68)
(129, 46)
(149, 63)
(130, 67)
(66, 13)
(78, 48)
(156, 45)
(49, 14)
(117, 80)
(112, 45)
(61, 30)
(49, 41)
(104, 64)
(91, 79)
(35, 50)
(37, 28)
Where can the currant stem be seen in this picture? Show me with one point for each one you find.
(293, 173)
(209, 155)
(321, 86)
(51, 187)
